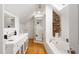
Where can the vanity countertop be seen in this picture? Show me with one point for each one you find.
(15, 39)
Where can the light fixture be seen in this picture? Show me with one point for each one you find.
(38, 12)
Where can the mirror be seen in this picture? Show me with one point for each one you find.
(9, 21)
(56, 25)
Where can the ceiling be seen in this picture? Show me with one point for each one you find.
(23, 11)
(59, 6)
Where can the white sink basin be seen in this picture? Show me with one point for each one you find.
(15, 39)
(12, 40)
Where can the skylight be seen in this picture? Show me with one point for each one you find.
(59, 6)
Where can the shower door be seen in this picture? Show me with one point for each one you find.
(38, 30)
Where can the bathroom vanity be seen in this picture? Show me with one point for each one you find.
(17, 44)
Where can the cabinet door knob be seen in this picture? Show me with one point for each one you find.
(67, 40)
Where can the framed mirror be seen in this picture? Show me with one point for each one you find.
(9, 21)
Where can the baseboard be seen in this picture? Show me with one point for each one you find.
(36, 41)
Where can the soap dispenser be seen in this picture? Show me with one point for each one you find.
(5, 36)
(15, 33)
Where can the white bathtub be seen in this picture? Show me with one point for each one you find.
(58, 46)
(62, 46)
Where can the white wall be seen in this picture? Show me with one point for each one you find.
(1, 29)
(73, 29)
(78, 28)
(17, 22)
(69, 25)
(64, 18)
(48, 27)
(27, 27)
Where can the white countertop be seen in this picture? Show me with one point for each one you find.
(16, 38)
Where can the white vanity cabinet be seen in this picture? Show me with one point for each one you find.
(19, 44)
(9, 49)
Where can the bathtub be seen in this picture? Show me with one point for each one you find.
(61, 46)
(58, 46)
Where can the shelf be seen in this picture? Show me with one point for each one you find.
(56, 23)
